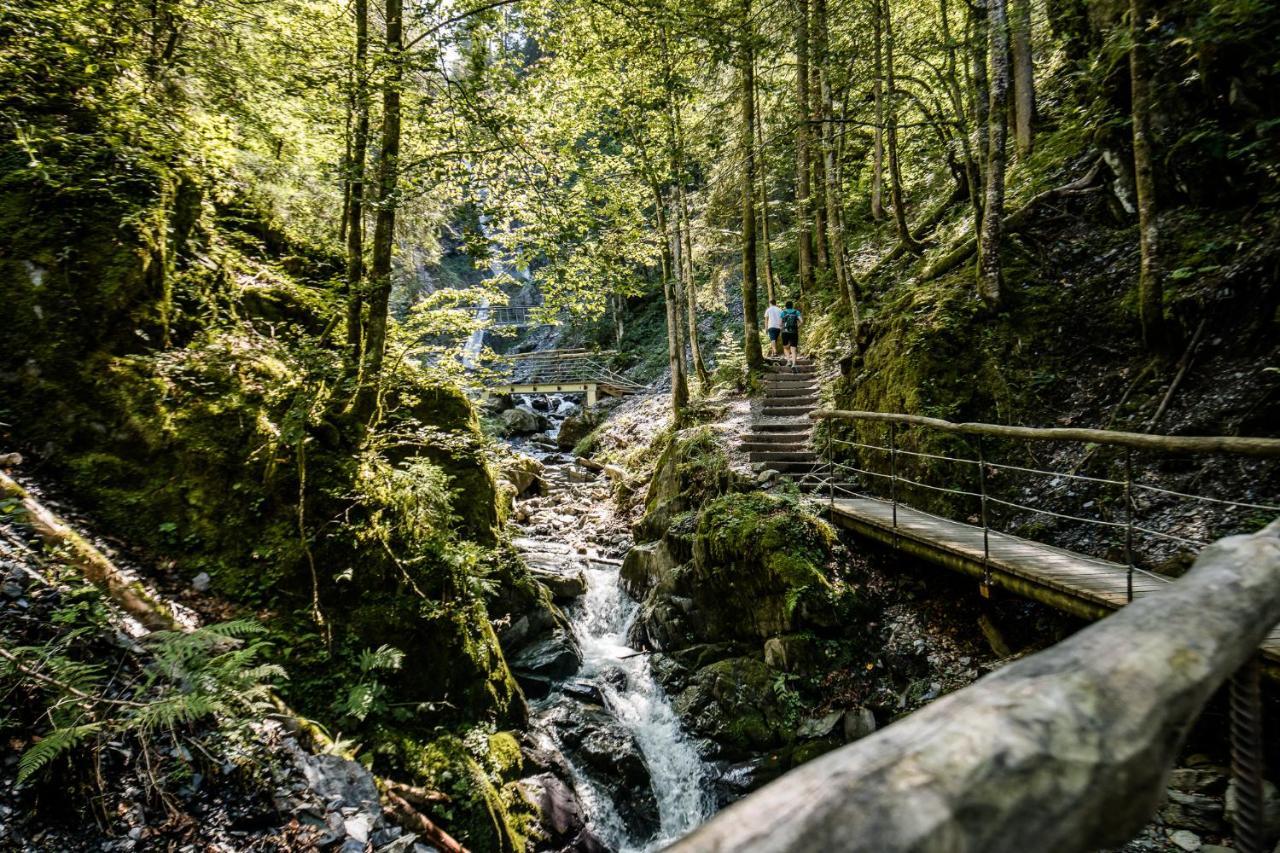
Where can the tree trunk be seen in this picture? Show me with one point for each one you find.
(955, 91)
(691, 290)
(830, 189)
(675, 351)
(750, 320)
(804, 226)
(764, 206)
(823, 258)
(375, 343)
(355, 189)
(992, 221)
(877, 95)
(895, 169)
(981, 95)
(1024, 86)
(1150, 285)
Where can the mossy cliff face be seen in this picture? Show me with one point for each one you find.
(169, 369)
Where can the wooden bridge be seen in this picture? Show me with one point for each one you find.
(574, 371)
(1084, 586)
(511, 316)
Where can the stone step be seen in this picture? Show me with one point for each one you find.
(782, 425)
(789, 468)
(773, 455)
(773, 447)
(772, 411)
(789, 381)
(789, 398)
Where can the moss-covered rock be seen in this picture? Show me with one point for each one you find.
(691, 470)
(734, 703)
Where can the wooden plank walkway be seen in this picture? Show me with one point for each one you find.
(1083, 586)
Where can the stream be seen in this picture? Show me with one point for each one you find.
(639, 778)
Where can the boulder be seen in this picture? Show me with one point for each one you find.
(733, 703)
(1198, 812)
(560, 811)
(858, 723)
(521, 421)
(565, 585)
(606, 751)
(554, 657)
(524, 473)
(644, 565)
(576, 427)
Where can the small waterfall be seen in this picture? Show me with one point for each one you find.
(680, 778)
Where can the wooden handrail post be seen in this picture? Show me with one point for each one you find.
(1128, 514)
(893, 470)
(831, 469)
(986, 527)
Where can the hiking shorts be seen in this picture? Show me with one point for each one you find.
(774, 332)
(791, 339)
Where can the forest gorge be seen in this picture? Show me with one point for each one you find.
(286, 562)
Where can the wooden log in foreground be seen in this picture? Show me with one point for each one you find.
(1067, 750)
(1262, 447)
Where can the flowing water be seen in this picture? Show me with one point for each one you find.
(681, 781)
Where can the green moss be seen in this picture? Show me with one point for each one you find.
(787, 542)
(487, 811)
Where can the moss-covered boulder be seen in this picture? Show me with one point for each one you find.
(691, 470)
(733, 702)
(478, 771)
(757, 562)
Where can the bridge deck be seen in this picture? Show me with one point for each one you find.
(1084, 586)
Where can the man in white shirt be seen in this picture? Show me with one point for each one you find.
(773, 325)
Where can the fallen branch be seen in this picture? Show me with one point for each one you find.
(415, 795)
(1183, 366)
(613, 472)
(414, 821)
(589, 464)
(1013, 221)
(97, 569)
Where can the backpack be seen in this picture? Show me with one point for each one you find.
(791, 321)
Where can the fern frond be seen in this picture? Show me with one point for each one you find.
(54, 744)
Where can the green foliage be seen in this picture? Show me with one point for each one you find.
(772, 531)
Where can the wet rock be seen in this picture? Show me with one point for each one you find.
(522, 421)
(560, 811)
(609, 753)
(498, 403)
(555, 657)
(1184, 840)
(644, 565)
(201, 582)
(564, 586)
(540, 404)
(1200, 780)
(734, 780)
(583, 691)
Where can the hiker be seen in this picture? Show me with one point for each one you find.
(773, 325)
(790, 323)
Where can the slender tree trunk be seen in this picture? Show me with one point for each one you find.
(818, 180)
(955, 91)
(675, 351)
(764, 205)
(989, 274)
(895, 169)
(804, 226)
(355, 189)
(981, 97)
(750, 319)
(1150, 284)
(384, 227)
(691, 291)
(830, 189)
(1024, 86)
(877, 95)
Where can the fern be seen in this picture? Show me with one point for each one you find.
(51, 746)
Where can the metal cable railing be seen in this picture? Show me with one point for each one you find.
(838, 476)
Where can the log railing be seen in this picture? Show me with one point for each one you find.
(1066, 750)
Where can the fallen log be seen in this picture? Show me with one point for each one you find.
(1012, 222)
(411, 819)
(130, 594)
(589, 464)
(1066, 750)
(613, 472)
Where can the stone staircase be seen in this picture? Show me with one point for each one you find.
(779, 439)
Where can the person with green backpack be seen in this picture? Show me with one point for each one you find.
(791, 321)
